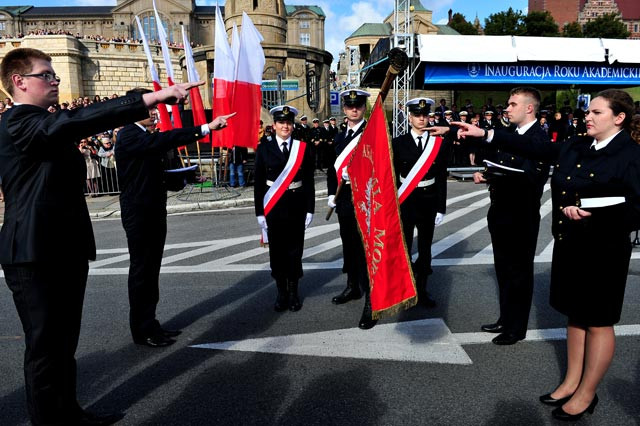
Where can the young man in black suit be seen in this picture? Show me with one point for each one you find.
(513, 235)
(142, 161)
(424, 208)
(354, 104)
(46, 240)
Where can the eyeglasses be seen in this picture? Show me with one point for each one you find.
(46, 76)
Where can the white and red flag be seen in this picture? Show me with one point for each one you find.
(224, 75)
(375, 199)
(197, 107)
(162, 35)
(247, 95)
(165, 120)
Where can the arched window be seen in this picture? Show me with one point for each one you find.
(148, 21)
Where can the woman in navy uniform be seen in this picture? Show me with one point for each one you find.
(426, 205)
(596, 205)
(292, 213)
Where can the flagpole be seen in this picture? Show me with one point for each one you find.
(398, 61)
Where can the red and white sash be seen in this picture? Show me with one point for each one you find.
(283, 181)
(343, 159)
(420, 169)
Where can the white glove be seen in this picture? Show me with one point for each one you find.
(439, 219)
(308, 220)
(345, 174)
(330, 202)
(262, 221)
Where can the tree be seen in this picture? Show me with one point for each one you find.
(460, 24)
(608, 25)
(572, 29)
(505, 23)
(541, 24)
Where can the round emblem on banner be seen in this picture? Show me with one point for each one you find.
(473, 70)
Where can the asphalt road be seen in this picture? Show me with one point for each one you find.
(216, 287)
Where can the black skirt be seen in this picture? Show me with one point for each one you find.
(588, 277)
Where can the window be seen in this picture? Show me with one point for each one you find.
(305, 39)
(304, 24)
(2, 26)
(635, 28)
(150, 29)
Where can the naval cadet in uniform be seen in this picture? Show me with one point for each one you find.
(424, 207)
(355, 263)
(287, 181)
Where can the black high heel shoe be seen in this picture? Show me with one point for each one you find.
(549, 400)
(560, 414)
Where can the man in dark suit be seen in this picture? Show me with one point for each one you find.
(292, 211)
(355, 264)
(46, 240)
(514, 234)
(142, 161)
(424, 208)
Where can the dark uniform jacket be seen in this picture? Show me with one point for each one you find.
(507, 187)
(406, 154)
(339, 145)
(270, 162)
(43, 175)
(142, 160)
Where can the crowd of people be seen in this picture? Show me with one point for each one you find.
(94, 37)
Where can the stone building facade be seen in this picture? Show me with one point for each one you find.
(95, 49)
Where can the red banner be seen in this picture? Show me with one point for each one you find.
(378, 213)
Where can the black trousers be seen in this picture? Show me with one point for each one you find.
(421, 214)
(355, 262)
(146, 229)
(49, 298)
(514, 248)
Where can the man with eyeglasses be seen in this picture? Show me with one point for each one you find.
(45, 205)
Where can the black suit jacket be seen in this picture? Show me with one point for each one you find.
(270, 162)
(340, 143)
(518, 185)
(43, 176)
(142, 159)
(406, 154)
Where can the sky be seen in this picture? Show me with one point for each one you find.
(344, 17)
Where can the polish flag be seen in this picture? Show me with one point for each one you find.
(197, 107)
(224, 71)
(162, 35)
(247, 96)
(165, 120)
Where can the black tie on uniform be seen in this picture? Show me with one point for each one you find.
(285, 150)
(420, 148)
(350, 134)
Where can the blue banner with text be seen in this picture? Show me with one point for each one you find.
(532, 73)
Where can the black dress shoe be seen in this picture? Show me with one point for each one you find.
(549, 400)
(170, 333)
(492, 328)
(560, 414)
(366, 321)
(155, 341)
(349, 293)
(426, 300)
(87, 418)
(506, 339)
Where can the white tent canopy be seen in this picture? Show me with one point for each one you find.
(487, 49)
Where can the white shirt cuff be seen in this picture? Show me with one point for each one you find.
(205, 129)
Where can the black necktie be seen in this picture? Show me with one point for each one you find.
(420, 143)
(285, 150)
(350, 134)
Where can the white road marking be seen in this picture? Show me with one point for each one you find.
(428, 340)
